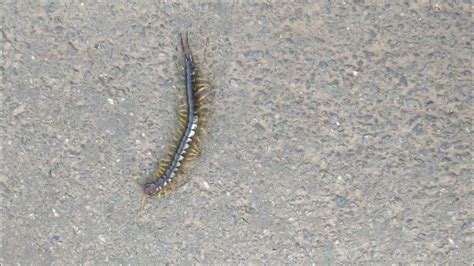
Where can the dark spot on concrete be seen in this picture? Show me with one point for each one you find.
(342, 202)
(403, 81)
(254, 55)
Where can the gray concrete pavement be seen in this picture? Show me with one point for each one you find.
(342, 133)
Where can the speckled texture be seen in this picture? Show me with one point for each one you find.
(342, 133)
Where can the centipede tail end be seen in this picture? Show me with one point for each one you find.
(185, 45)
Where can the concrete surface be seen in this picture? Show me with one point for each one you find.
(342, 133)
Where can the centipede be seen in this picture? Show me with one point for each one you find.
(192, 116)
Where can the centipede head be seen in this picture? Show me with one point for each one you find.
(154, 187)
(150, 189)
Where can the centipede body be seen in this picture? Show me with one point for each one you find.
(191, 119)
